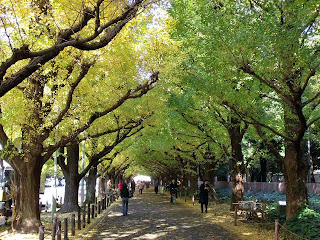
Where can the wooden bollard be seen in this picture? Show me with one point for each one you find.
(99, 207)
(92, 211)
(96, 210)
(84, 219)
(276, 229)
(73, 225)
(88, 218)
(59, 230)
(41, 233)
(235, 214)
(65, 229)
(40, 207)
(54, 227)
(79, 220)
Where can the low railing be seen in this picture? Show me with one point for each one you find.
(84, 216)
(313, 188)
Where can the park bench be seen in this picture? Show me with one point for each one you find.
(250, 208)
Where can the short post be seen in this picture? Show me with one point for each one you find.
(99, 207)
(88, 218)
(59, 230)
(79, 220)
(84, 219)
(40, 207)
(96, 210)
(65, 229)
(92, 211)
(276, 229)
(54, 227)
(235, 214)
(41, 233)
(73, 225)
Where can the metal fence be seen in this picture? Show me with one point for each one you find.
(313, 188)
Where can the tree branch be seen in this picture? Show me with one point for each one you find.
(113, 27)
(84, 70)
(132, 93)
(268, 143)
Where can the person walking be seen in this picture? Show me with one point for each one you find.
(156, 187)
(141, 186)
(124, 193)
(204, 195)
(173, 190)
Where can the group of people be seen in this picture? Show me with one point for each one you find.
(125, 193)
(205, 189)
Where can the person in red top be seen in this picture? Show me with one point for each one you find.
(120, 185)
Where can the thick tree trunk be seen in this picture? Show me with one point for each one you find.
(70, 203)
(72, 177)
(236, 161)
(295, 170)
(295, 166)
(26, 215)
(91, 185)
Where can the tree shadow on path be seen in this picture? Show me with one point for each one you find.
(152, 216)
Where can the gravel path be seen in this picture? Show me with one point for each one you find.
(152, 216)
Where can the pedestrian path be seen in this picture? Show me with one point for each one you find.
(152, 216)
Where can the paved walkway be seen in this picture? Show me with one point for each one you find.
(151, 216)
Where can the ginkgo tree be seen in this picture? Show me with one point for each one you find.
(35, 33)
(269, 51)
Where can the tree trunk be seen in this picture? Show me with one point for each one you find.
(295, 167)
(70, 203)
(295, 172)
(72, 177)
(26, 214)
(263, 170)
(236, 161)
(102, 186)
(91, 185)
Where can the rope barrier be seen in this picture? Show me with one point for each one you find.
(292, 233)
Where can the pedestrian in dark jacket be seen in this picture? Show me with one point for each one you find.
(173, 187)
(156, 187)
(124, 193)
(204, 195)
